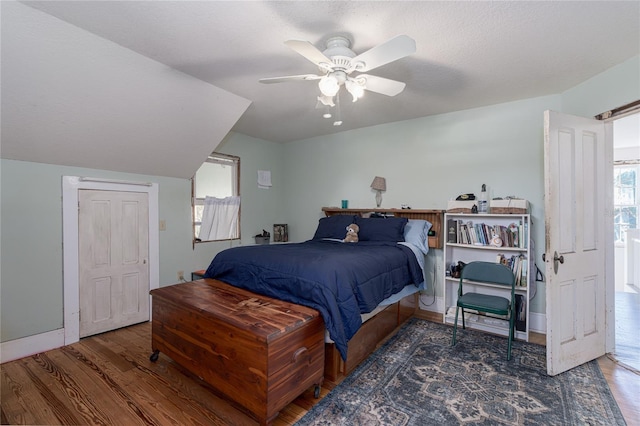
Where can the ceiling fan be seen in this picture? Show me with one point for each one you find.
(339, 65)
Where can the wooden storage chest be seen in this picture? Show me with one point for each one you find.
(260, 353)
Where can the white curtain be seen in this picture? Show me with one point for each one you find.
(220, 218)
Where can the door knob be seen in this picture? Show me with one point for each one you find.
(557, 259)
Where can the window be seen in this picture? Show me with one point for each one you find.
(626, 199)
(215, 193)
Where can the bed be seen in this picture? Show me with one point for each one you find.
(363, 291)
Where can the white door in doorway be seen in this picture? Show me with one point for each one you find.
(575, 252)
(113, 260)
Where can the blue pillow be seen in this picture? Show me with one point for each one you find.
(333, 226)
(416, 232)
(386, 229)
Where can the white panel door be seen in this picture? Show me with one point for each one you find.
(575, 240)
(113, 260)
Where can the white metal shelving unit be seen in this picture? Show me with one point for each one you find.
(457, 251)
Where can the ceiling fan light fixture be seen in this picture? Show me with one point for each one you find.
(355, 88)
(326, 100)
(329, 85)
(338, 46)
(336, 64)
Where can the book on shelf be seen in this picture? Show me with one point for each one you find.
(481, 234)
(452, 231)
(518, 265)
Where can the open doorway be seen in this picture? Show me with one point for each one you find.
(626, 169)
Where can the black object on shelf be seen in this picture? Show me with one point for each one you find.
(521, 313)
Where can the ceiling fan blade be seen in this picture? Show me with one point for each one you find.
(301, 77)
(310, 52)
(382, 85)
(389, 51)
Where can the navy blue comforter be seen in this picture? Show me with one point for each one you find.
(341, 280)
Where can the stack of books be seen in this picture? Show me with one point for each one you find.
(481, 234)
(518, 265)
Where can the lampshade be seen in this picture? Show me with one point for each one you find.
(355, 88)
(326, 100)
(379, 183)
(329, 85)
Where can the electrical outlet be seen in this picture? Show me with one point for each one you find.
(180, 275)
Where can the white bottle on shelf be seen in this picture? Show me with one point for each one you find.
(482, 200)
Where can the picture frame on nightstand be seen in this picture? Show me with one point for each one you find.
(280, 233)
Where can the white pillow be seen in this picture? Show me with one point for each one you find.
(416, 232)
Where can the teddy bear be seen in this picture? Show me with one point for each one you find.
(352, 234)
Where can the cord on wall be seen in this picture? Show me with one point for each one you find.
(434, 273)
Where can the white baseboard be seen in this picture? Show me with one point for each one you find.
(26, 346)
(538, 322)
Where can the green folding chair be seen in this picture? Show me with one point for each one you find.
(493, 273)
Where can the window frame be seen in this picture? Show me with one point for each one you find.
(631, 165)
(215, 158)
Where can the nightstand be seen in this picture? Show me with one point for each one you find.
(198, 275)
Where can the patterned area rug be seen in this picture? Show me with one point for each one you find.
(417, 378)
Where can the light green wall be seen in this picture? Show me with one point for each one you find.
(614, 88)
(426, 162)
(261, 208)
(430, 160)
(31, 291)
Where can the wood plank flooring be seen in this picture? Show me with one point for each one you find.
(627, 349)
(108, 379)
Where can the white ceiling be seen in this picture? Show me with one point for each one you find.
(469, 54)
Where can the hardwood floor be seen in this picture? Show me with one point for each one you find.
(108, 379)
(627, 336)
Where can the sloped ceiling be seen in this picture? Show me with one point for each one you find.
(114, 77)
(72, 98)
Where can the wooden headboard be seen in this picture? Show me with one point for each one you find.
(436, 218)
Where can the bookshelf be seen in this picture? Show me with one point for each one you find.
(469, 237)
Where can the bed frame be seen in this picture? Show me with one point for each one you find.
(380, 327)
(369, 337)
